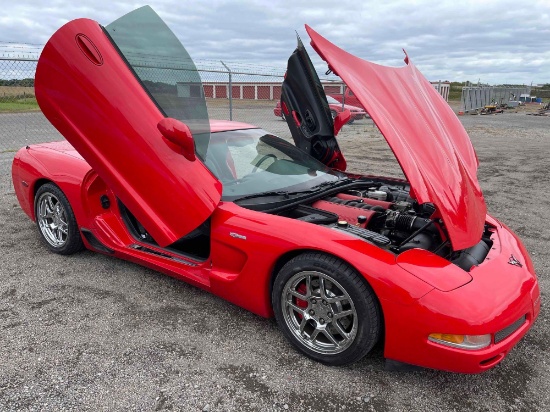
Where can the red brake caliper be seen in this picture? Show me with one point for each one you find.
(302, 289)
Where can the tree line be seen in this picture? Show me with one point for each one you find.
(17, 82)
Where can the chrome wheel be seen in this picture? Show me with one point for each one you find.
(52, 220)
(319, 312)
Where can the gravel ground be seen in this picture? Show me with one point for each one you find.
(90, 332)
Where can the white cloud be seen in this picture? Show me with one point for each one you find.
(495, 41)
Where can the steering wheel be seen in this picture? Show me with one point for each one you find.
(263, 159)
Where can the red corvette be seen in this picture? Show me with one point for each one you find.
(341, 260)
(357, 113)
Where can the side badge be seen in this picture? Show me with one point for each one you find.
(513, 261)
(237, 236)
(89, 49)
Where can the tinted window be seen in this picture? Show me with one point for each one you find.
(164, 68)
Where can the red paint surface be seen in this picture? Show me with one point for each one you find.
(425, 135)
(221, 92)
(358, 115)
(346, 213)
(249, 92)
(263, 92)
(276, 92)
(236, 92)
(107, 116)
(418, 293)
(372, 202)
(208, 91)
(241, 270)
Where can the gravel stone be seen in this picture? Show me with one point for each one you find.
(90, 332)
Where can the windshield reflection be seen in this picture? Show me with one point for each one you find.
(253, 161)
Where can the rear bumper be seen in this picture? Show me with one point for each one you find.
(494, 302)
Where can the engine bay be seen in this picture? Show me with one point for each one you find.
(387, 216)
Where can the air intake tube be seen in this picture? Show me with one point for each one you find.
(423, 232)
(408, 223)
(472, 256)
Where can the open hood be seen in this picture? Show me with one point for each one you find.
(425, 135)
(307, 112)
(109, 92)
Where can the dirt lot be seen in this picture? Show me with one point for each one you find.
(90, 332)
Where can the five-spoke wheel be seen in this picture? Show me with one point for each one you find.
(319, 311)
(326, 309)
(56, 221)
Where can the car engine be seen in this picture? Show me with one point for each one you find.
(387, 216)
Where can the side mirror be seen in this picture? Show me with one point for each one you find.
(178, 133)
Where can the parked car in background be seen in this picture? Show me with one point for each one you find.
(348, 98)
(357, 113)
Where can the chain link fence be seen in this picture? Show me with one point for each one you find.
(21, 121)
(232, 92)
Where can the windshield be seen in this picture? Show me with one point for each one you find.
(252, 161)
(332, 100)
(165, 70)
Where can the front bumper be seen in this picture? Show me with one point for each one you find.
(499, 296)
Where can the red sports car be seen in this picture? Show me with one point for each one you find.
(356, 113)
(341, 260)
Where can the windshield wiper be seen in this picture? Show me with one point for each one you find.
(330, 183)
(288, 195)
(266, 194)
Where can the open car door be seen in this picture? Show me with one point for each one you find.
(307, 112)
(106, 90)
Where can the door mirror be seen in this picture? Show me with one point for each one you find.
(179, 134)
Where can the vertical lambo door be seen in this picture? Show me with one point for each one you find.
(129, 99)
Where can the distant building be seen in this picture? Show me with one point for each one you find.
(272, 91)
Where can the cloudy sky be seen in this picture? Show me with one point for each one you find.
(504, 41)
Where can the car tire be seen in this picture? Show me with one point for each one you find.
(351, 121)
(56, 221)
(333, 114)
(337, 320)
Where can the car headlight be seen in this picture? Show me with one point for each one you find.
(468, 342)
